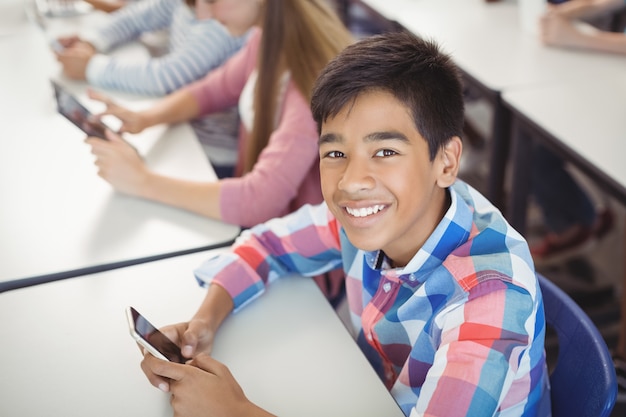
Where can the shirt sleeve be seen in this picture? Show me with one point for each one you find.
(220, 89)
(131, 21)
(305, 242)
(207, 46)
(483, 347)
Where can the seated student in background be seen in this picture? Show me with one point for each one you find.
(571, 217)
(561, 26)
(270, 80)
(573, 222)
(196, 44)
(442, 291)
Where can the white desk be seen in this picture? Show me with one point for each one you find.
(57, 217)
(67, 351)
(488, 44)
(583, 121)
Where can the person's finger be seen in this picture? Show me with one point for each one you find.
(113, 136)
(103, 98)
(209, 364)
(159, 372)
(189, 342)
(95, 143)
(196, 337)
(96, 95)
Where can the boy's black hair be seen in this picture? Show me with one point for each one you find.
(413, 70)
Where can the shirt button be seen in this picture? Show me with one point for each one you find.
(387, 287)
(370, 337)
(412, 278)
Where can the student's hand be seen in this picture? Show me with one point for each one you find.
(193, 337)
(203, 387)
(132, 122)
(68, 41)
(119, 163)
(75, 58)
(577, 9)
(556, 30)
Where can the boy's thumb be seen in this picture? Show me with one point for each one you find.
(189, 343)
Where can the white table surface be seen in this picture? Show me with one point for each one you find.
(588, 115)
(56, 214)
(67, 351)
(486, 40)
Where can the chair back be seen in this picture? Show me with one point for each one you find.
(583, 382)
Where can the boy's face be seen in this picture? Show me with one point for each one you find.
(377, 177)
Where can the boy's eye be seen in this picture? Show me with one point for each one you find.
(385, 152)
(334, 154)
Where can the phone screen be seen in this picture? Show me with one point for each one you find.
(143, 331)
(78, 114)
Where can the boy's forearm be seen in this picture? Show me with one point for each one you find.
(215, 307)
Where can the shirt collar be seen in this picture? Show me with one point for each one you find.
(452, 231)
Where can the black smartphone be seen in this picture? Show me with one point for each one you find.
(151, 338)
(78, 114)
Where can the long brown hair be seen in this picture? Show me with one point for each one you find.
(299, 36)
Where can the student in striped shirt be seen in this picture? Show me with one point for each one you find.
(270, 81)
(442, 291)
(197, 43)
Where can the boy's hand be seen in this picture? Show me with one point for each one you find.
(193, 337)
(132, 122)
(203, 387)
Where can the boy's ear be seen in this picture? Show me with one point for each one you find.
(449, 159)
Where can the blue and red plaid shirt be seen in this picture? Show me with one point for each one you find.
(458, 331)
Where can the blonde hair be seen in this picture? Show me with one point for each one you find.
(299, 36)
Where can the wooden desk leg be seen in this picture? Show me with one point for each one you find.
(521, 177)
(500, 144)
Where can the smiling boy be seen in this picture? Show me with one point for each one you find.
(441, 290)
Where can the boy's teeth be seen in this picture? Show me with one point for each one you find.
(365, 211)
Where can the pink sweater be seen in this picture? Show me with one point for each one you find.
(286, 176)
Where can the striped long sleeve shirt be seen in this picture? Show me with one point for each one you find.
(458, 331)
(196, 46)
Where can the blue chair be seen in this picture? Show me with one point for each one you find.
(583, 380)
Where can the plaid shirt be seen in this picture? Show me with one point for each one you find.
(458, 331)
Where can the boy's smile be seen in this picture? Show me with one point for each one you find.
(377, 177)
